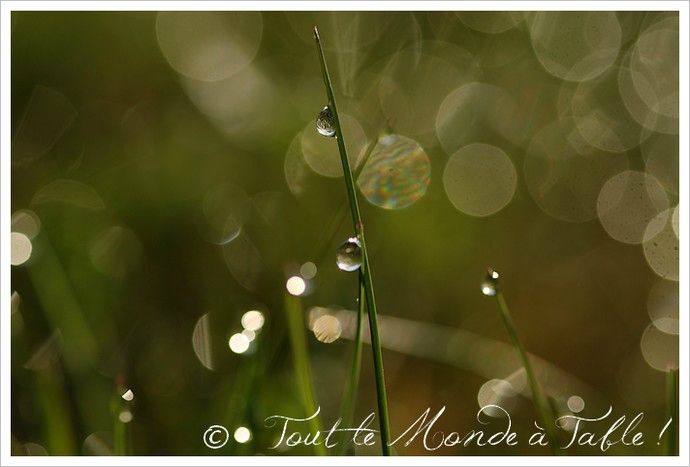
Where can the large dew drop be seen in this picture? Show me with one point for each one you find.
(325, 123)
(490, 283)
(348, 256)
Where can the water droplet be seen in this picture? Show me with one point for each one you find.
(325, 124)
(490, 283)
(349, 255)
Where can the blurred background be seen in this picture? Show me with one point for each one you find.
(169, 189)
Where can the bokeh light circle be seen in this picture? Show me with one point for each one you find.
(628, 202)
(575, 46)
(576, 404)
(563, 182)
(225, 208)
(470, 110)
(252, 320)
(416, 80)
(659, 349)
(490, 22)
(496, 392)
(661, 246)
(661, 157)
(327, 329)
(662, 306)
(321, 154)
(638, 109)
(601, 116)
(239, 343)
(26, 222)
(242, 434)
(396, 174)
(654, 60)
(479, 179)
(209, 46)
(20, 248)
(295, 285)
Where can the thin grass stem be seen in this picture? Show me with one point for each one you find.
(382, 401)
(672, 412)
(300, 358)
(122, 445)
(350, 395)
(541, 404)
(322, 246)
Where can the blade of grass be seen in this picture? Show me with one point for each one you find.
(541, 404)
(382, 401)
(300, 358)
(121, 432)
(58, 425)
(322, 246)
(672, 412)
(350, 395)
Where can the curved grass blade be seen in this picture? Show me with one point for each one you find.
(381, 397)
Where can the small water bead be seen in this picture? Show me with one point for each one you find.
(348, 256)
(325, 122)
(490, 283)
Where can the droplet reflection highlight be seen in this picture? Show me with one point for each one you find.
(348, 256)
(489, 285)
(325, 122)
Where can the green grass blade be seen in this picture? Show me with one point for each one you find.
(348, 406)
(672, 412)
(122, 443)
(541, 404)
(300, 358)
(381, 397)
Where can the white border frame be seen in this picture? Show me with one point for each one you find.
(6, 7)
